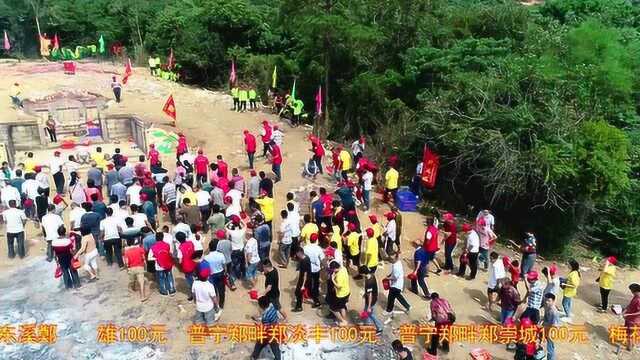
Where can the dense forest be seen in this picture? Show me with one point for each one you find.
(534, 110)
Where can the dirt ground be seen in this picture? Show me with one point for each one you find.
(205, 119)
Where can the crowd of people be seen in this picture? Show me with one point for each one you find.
(208, 223)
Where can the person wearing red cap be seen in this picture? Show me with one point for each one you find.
(249, 146)
(607, 276)
(367, 187)
(352, 240)
(470, 254)
(276, 160)
(371, 251)
(201, 164)
(161, 252)
(431, 244)
(345, 163)
(534, 297)
(182, 147)
(390, 232)
(450, 231)
(553, 281)
(204, 293)
(154, 155)
(318, 152)
(316, 255)
(266, 133)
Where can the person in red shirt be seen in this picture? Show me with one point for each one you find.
(161, 253)
(154, 155)
(276, 165)
(134, 260)
(223, 168)
(182, 145)
(266, 133)
(335, 162)
(140, 168)
(327, 207)
(631, 314)
(250, 146)
(201, 164)
(318, 152)
(430, 244)
(450, 239)
(187, 264)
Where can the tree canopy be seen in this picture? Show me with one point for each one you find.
(534, 110)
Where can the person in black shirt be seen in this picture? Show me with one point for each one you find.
(402, 352)
(304, 272)
(90, 224)
(271, 284)
(266, 184)
(370, 296)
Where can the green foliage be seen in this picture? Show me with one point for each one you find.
(532, 109)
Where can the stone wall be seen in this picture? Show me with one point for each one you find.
(25, 137)
(118, 128)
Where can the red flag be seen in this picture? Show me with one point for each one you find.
(319, 101)
(430, 164)
(170, 108)
(171, 62)
(56, 42)
(232, 75)
(127, 71)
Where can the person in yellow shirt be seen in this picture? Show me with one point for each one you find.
(98, 157)
(266, 206)
(345, 163)
(607, 275)
(236, 100)
(390, 184)
(570, 287)
(29, 164)
(378, 230)
(308, 229)
(371, 251)
(340, 280)
(336, 237)
(252, 99)
(243, 96)
(352, 240)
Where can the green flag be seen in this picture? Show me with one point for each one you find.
(101, 42)
(293, 90)
(274, 77)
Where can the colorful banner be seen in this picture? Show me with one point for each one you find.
(127, 71)
(430, 164)
(170, 109)
(274, 77)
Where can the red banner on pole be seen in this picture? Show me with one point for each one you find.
(127, 71)
(170, 108)
(430, 164)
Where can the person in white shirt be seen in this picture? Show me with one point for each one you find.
(181, 226)
(14, 219)
(470, 254)
(30, 187)
(277, 136)
(50, 223)
(133, 194)
(316, 255)
(56, 165)
(286, 239)
(488, 217)
(43, 180)
(204, 294)
(497, 275)
(111, 229)
(252, 258)
(235, 208)
(357, 149)
(8, 193)
(367, 186)
(293, 217)
(75, 215)
(202, 202)
(236, 234)
(396, 286)
(140, 219)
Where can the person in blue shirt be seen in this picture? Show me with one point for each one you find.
(262, 233)
(270, 317)
(317, 207)
(149, 209)
(98, 206)
(346, 197)
(217, 263)
(420, 261)
(90, 224)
